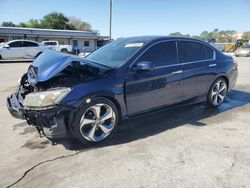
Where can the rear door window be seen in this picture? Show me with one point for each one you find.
(194, 51)
(162, 54)
(29, 44)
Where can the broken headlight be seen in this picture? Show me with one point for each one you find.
(32, 75)
(45, 98)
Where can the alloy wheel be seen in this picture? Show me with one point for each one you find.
(218, 92)
(97, 122)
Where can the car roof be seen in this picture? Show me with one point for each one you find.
(22, 40)
(158, 38)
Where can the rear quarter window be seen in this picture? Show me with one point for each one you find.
(210, 52)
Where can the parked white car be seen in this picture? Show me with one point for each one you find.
(54, 45)
(20, 50)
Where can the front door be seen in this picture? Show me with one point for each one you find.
(159, 87)
(15, 51)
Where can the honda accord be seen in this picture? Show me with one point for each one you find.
(88, 97)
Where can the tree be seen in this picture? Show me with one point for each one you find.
(33, 23)
(79, 25)
(246, 35)
(204, 35)
(55, 20)
(215, 30)
(22, 24)
(176, 34)
(8, 24)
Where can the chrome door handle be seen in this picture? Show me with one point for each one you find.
(212, 65)
(177, 72)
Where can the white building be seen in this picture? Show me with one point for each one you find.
(82, 40)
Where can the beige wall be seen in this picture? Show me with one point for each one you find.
(91, 47)
(60, 40)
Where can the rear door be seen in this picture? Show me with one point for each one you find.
(199, 68)
(159, 87)
(31, 49)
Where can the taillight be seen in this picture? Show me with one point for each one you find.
(236, 63)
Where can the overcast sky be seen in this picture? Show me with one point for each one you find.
(138, 17)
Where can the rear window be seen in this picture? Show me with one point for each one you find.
(86, 43)
(194, 51)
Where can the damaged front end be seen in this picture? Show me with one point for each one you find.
(39, 109)
(49, 79)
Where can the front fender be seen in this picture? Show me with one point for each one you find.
(81, 92)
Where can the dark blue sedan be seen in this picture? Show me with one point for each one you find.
(67, 95)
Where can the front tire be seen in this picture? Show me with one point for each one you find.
(96, 121)
(217, 93)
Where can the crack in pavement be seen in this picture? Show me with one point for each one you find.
(235, 160)
(40, 163)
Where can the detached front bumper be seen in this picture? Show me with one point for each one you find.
(14, 105)
(51, 122)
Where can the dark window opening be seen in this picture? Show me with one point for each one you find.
(194, 51)
(16, 44)
(210, 52)
(161, 54)
(86, 43)
(29, 44)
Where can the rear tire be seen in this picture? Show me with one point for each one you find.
(95, 121)
(217, 93)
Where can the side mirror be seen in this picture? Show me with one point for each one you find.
(6, 46)
(144, 66)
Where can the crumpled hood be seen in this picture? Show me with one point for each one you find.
(50, 63)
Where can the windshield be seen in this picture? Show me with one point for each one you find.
(115, 53)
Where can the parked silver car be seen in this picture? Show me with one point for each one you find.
(20, 49)
(244, 51)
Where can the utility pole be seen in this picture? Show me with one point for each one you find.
(110, 18)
